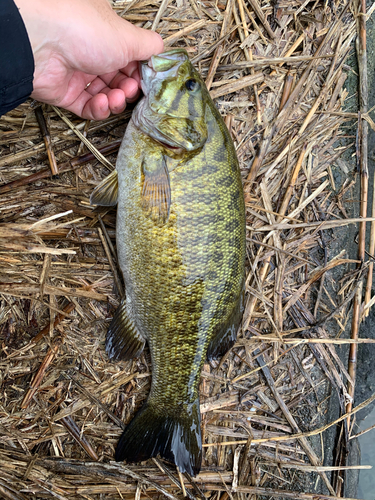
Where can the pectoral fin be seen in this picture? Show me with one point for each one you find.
(123, 340)
(106, 192)
(156, 190)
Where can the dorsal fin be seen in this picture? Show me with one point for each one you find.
(226, 336)
(222, 342)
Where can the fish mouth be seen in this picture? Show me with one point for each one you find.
(148, 74)
(161, 66)
(175, 149)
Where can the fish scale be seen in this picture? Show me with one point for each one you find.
(181, 246)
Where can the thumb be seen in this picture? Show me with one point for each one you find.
(140, 44)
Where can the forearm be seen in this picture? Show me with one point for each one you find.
(76, 43)
(16, 58)
(86, 34)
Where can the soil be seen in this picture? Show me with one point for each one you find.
(347, 238)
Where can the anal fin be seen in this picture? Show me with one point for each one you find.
(106, 193)
(123, 340)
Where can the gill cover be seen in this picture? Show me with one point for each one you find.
(173, 109)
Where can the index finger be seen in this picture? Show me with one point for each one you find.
(131, 70)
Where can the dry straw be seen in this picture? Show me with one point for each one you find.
(277, 72)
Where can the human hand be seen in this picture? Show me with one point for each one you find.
(85, 55)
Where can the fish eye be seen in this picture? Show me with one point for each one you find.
(192, 85)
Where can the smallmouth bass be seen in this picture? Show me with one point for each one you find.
(181, 247)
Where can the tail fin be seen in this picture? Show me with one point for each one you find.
(176, 437)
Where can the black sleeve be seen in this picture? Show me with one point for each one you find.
(16, 58)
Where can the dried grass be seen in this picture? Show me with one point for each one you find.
(277, 75)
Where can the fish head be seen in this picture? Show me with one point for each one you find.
(173, 109)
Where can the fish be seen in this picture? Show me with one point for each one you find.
(180, 235)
